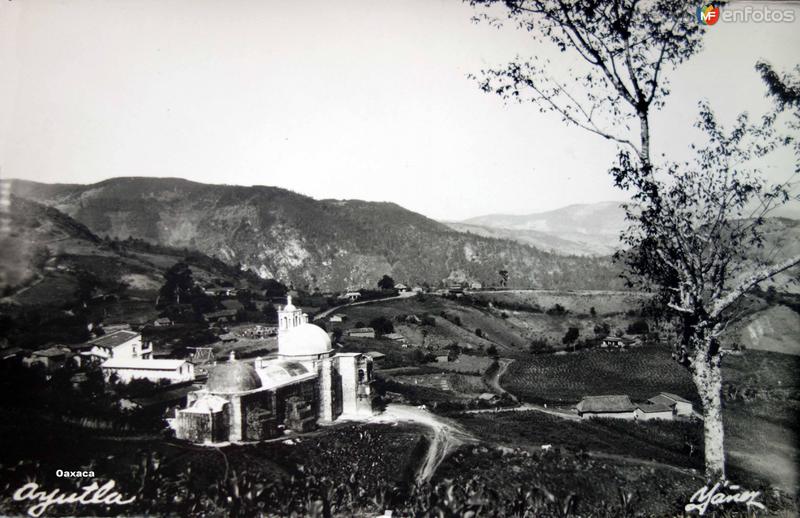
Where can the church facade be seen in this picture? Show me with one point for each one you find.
(308, 383)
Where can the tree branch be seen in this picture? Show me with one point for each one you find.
(745, 286)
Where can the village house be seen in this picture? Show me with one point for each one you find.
(337, 318)
(51, 358)
(377, 357)
(677, 404)
(351, 296)
(119, 344)
(223, 315)
(475, 285)
(649, 411)
(613, 342)
(402, 288)
(220, 292)
(488, 397)
(361, 332)
(162, 322)
(127, 369)
(395, 337)
(227, 338)
(619, 407)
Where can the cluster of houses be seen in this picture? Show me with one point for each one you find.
(620, 342)
(662, 406)
(121, 352)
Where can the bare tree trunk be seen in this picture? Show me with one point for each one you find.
(708, 380)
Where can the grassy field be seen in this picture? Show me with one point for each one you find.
(639, 372)
(664, 442)
(510, 331)
(761, 437)
(576, 302)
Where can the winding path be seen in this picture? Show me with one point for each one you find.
(323, 314)
(447, 435)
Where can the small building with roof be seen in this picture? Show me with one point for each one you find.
(50, 358)
(606, 406)
(122, 343)
(680, 406)
(649, 411)
(361, 332)
(128, 369)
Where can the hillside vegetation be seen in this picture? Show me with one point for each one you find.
(331, 244)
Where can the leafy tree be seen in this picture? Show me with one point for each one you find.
(638, 327)
(571, 336)
(625, 47)
(273, 288)
(503, 277)
(453, 352)
(386, 283)
(479, 333)
(177, 282)
(691, 223)
(696, 237)
(491, 351)
(602, 330)
(381, 325)
(592, 312)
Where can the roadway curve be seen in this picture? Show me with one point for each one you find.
(323, 314)
(446, 437)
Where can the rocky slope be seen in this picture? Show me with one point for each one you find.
(331, 244)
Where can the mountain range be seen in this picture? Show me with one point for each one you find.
(580, 229)
(329, 244)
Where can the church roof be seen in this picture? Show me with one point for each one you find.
(304, 340)
(275, 373)
(207, 404)
(233, 376)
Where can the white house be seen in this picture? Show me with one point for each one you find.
(128, 369)
(679, 406)
(336, 318)
(120, 344)
(614, 342)
(649, 411)
(402, 288)
(352, 296)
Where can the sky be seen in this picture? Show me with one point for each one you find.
(349, 99)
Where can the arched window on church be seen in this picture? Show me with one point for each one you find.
(361, 375)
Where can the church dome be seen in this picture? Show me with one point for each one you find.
(304, 340)
(234, 376)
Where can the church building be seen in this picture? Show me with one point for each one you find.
(305, 385)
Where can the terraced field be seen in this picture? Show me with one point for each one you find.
(639, 373)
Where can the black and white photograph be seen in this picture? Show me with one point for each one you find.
(399, 259)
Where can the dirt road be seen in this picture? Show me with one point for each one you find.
(447, 435)
(323, 314)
